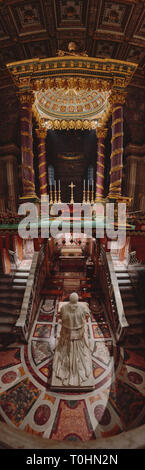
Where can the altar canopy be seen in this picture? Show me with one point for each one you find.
(71, 92)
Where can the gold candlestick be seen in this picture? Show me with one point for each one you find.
(72, 186)
(88, 194)
(51, 196)
(92, 198)
(59, 193)
(84, 194)
(55, 193)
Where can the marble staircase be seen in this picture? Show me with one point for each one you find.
(12, 288)
(134, 312)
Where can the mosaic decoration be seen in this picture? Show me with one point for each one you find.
(10, 359)
(17, 401)
(71, 413)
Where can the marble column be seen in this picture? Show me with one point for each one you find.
(41, 135)
(26, 101)
(117, 100)
(101, 134)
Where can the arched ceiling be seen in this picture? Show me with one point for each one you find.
(71, 103)
(39, 28)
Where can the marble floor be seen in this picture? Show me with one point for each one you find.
(27, 403)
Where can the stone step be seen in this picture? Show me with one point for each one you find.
(23, 270)
(126, 288)
(20, 274)
(127, 295)
(129, 304)
(131, 342)
(120, 269)
(122, 275)
(20, 281)
(6, 329)
(134, 311)
(136, 330)
(12, 288)
(125, 282)
(7, 281)
(9, 311)
(136, 320)
(9, 295)
(11, 302)
(6, 287)
(7, 320)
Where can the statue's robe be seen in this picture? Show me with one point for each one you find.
(72, 364)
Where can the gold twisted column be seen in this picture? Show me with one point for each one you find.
(117, 100)
(101, 134)
(26, 101)
(41, 135)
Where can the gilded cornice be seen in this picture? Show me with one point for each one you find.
(120, 72)
(72, 72)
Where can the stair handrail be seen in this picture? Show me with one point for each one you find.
(31, 297)
(116, 291)
(118, 318)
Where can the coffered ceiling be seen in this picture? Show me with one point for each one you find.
(39, 28)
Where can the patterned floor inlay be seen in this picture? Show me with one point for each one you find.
(26, 401)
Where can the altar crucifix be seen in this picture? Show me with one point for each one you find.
(72, 186)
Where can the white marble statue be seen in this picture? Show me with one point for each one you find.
(72, 364)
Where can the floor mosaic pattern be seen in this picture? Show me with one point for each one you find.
(116, 404)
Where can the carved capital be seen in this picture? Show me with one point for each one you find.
(41, 132)
(101, 132)
(26, 98)
(117, 98)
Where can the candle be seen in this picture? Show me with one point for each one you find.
(59, 185)
(55, 185)
(88, 184)
(84, 185)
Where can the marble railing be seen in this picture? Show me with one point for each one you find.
(32, 295)
(110, 287)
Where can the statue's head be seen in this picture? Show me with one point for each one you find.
(73, 298)
(72, 46)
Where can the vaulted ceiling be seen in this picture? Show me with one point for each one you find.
(39, 28)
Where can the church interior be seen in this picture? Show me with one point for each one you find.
(72, 134)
